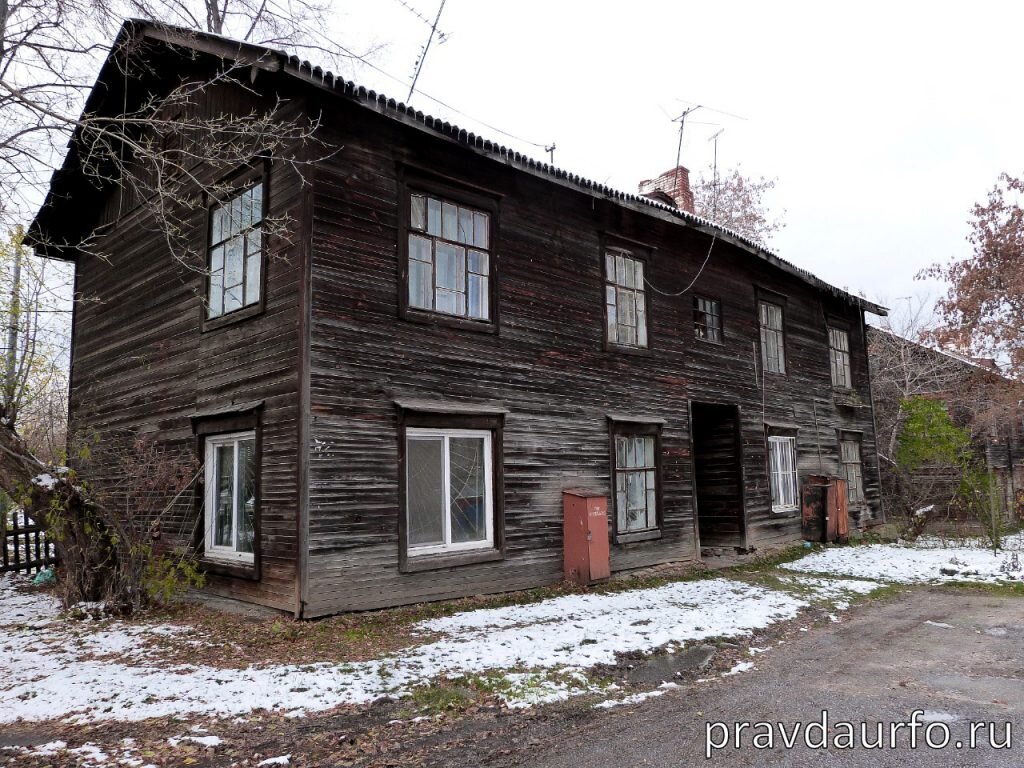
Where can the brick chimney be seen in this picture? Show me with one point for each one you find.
(674, 183)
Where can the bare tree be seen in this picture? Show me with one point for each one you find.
(159, 152)
(983, 309)
(737, 201)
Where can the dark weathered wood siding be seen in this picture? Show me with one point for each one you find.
(547, 365)
(143, 365)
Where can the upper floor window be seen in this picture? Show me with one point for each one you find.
(235, 252)
(707, 319)
(449, 258)
(625, 300)
(231, 472)
(839, 356)
(773, 346)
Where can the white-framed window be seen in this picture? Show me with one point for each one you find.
(850, 457)
(636, 477)
(773, 344)
(449, 258)
(839, 357)
(782, 473)
(235, 253)
(625, 299)
(231, 475)
(449, 490)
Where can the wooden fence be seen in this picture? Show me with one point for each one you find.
(25, 546)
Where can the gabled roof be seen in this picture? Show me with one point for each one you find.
(69, 176)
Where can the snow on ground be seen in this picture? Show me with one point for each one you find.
(904, 564)
(51, 667)
(539, 652)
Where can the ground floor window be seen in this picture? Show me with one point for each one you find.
(231, 493)
(782, 473)
(449, 490)
(849, 455)
(635, 469)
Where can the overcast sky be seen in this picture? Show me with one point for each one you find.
(883, 122)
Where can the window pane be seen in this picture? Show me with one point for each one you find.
(620, 502)
(465, 226)
(609, 267)
(450, 267)
(468, 493)
(253, 264)
(235, 214)
(450, 302)
(246, 501)
(223, 521)
(641, 321)
(418, 212)
(257, 204)
(478, 262)
(433, 216)
(620, 451)
(419, 249)
(218, 227)
(613, 324)
(478, 299)
(233, 266)
(481, 236)
(216, 297)
(425, 491)
(449, 221)
(623, 274)
(421, 285)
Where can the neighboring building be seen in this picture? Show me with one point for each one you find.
(978, 399)
(390, 408)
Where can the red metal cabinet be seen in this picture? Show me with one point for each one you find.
(585, 529)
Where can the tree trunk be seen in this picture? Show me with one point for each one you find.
(85, 547)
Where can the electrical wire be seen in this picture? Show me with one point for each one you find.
(695, 277)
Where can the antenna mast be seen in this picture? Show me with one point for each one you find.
(423, 55)
(679, 150)
(714, 176)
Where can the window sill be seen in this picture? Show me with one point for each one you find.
(238, 569)
(213, 323)
(424, 317)
(441, 560)
(611, 346)
(629, 538)
(786, 512)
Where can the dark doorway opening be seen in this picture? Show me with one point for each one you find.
(718, 476)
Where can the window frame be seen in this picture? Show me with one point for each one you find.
(830, 328)
(212, 551)
(210, 423)
(769, 300)
(619, 428)
(779, 436)
(716, 303)
(469, 196)
(415, 559)
(637, 252)
(257, 172)
(856, 438)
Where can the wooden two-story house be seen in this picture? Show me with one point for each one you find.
(389, 407)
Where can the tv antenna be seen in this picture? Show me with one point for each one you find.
(551, 152)
(679, 150)
(423, 53)
(714, 175)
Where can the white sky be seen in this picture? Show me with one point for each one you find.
(883, 122)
